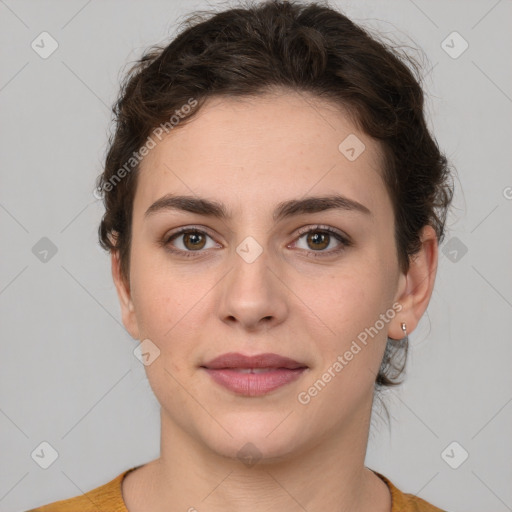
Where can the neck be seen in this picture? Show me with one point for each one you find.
(329, 475)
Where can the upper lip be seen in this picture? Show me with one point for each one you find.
(267, 360)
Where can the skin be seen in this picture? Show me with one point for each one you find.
(251, 154)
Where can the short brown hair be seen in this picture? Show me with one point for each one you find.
(304, 47)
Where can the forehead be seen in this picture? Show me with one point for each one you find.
(262, 150)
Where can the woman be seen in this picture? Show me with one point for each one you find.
(274, 204)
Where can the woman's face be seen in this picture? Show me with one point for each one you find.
(256, 281)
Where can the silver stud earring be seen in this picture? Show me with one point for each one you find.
(404, 329)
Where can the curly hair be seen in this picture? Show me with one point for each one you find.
(303, 47)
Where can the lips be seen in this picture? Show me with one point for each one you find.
(253, 375)
(239, 361)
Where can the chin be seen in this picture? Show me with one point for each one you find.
(256, 437)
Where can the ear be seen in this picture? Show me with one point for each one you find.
(124, 295)
(417, 285)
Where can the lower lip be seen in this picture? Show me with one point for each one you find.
(254, 384)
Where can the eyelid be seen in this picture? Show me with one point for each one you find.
(341, 237)
(185, 229)
(323, 227)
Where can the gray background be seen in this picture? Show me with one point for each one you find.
(68, 373)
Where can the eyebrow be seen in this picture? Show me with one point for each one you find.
(283, 210)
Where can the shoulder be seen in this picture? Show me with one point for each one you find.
(403, 502)
(105, 497)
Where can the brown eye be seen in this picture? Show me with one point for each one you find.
(318, 240)
(193, 240)
(188, 241)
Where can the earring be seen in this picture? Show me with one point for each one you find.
(404, 329)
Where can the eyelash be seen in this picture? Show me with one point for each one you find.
(345, 242)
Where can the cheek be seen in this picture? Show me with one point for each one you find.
(351, 297)
(159, 310)
(169, 304)
(349, 304)
(350, 352)
(157, 299)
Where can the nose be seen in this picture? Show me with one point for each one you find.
(253, 295)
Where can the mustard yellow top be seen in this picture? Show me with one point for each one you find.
(108, 498)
